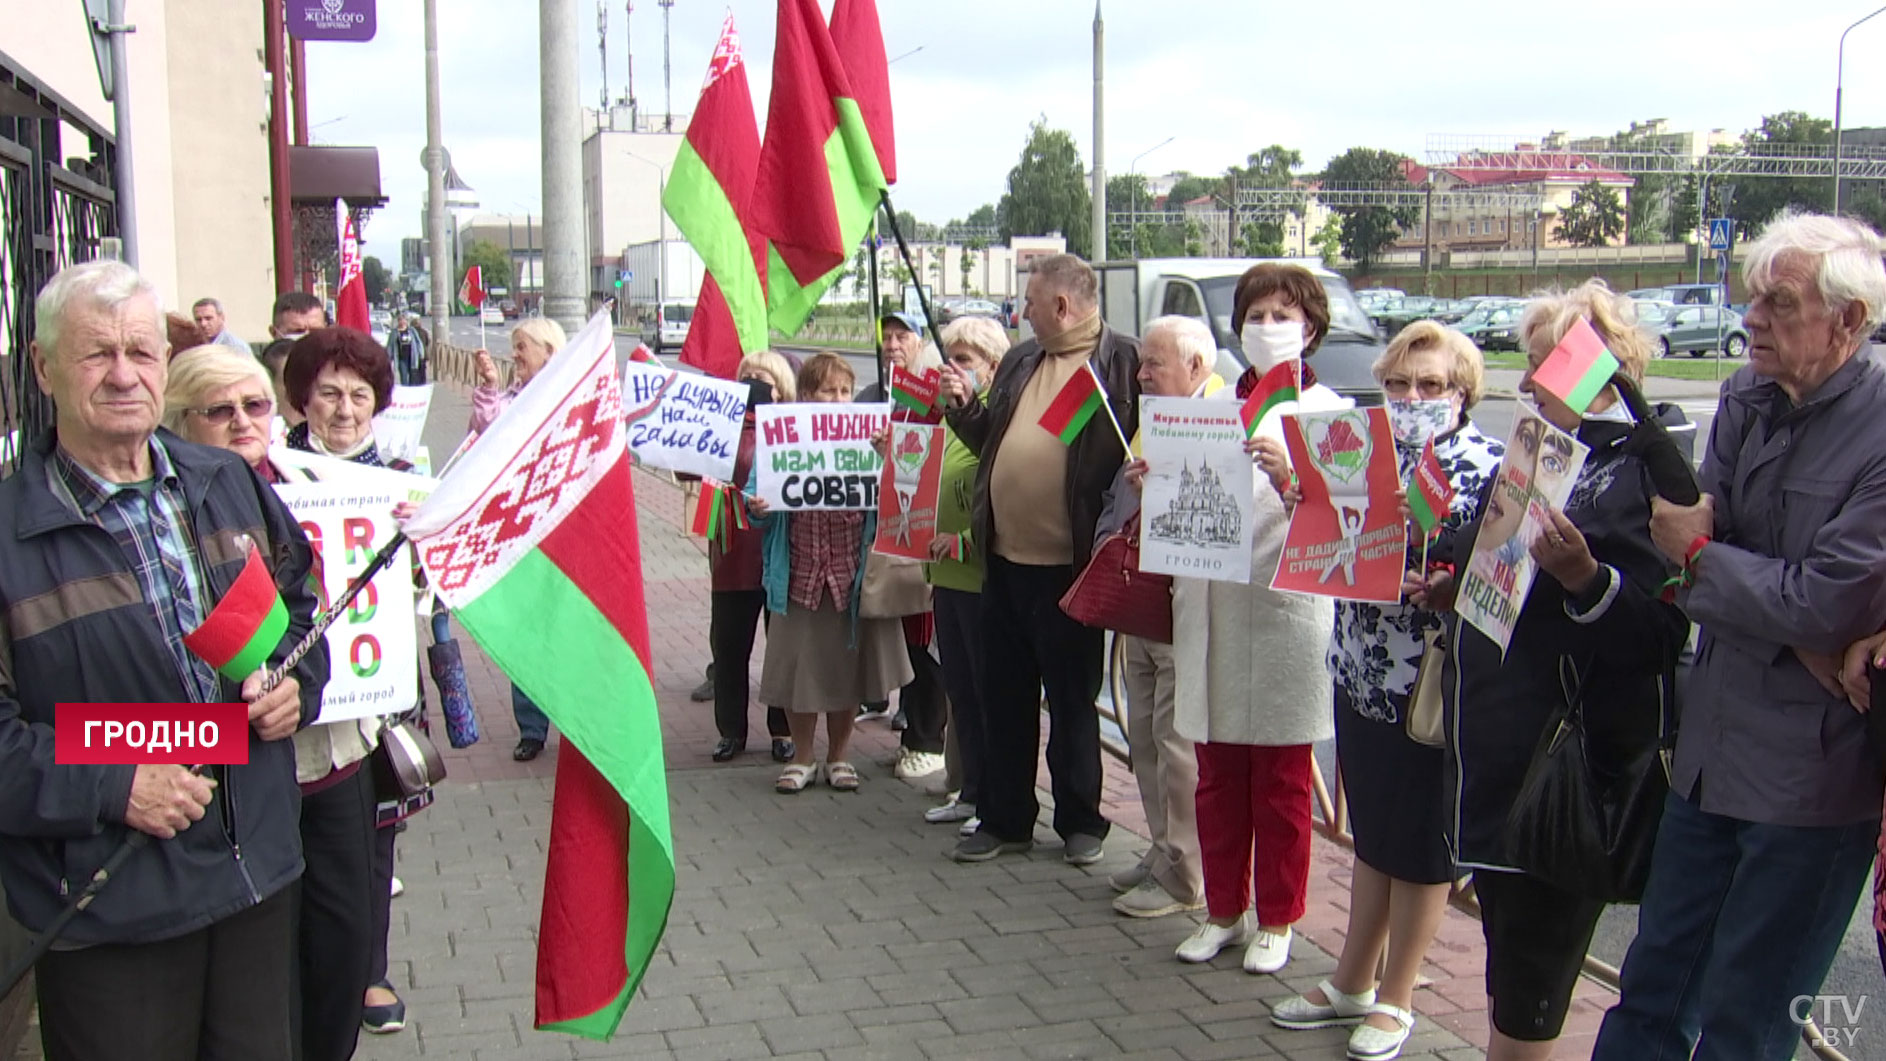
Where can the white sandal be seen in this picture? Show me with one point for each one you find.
(1300, 1014)
(842, 776)
(1369, 1043)
(794, 778)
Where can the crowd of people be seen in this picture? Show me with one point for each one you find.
(1714, 658)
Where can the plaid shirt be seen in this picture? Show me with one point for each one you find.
(150, 521)
(825, 548)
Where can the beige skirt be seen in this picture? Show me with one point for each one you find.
(812, 668)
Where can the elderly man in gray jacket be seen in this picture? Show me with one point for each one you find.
(1775, 792)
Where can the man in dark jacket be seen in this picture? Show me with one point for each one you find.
(115, 540)
(1037, 501)
(1774, 807)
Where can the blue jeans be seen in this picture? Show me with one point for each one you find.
(532, 723)
(1738, 920)
(441, 626)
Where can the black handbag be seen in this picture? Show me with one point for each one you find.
(1583, 827)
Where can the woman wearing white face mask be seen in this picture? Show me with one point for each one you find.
(1252, 690)
(1431, 376)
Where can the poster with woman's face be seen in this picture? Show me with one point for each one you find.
(1541, 466)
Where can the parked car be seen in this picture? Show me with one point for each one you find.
(1695, 330)
(976, 307)
(1133, 293)
(509, 309)
(491, 314)
(1493, 327)
(1409, 309)
(1681, 294)
(669, 327)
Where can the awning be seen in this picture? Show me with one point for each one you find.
(324, 174)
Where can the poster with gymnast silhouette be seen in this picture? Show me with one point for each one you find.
(1541, 467)
(1346, 538)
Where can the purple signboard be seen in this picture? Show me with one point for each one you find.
(331, 20)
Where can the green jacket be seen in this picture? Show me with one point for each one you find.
(955, 511)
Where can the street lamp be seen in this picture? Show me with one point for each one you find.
(1132, 170)
(1839, 71)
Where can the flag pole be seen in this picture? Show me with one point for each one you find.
(877, 307)
(903, 251)
(1106, 406)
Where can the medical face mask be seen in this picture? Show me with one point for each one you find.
(1416, 420)
(1268, 345)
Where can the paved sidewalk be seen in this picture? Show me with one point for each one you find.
(832, 925)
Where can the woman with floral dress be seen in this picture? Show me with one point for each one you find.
(1431, 377)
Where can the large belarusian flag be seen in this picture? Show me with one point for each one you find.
(859, 39)
(819, 177)
(707, 196)
(531, 541)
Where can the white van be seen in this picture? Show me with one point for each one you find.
(669, 329)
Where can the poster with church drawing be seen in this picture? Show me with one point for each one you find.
(1196, 501)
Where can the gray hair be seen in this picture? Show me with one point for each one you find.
(1070, 276)
(104, 283)
(984, 336)
(1847, 259)
(1188, 336)
(210, 302)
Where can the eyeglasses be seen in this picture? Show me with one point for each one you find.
(253, 408)
(1428, 388)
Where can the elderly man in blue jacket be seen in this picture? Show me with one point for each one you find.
(116, 538)
(1774, 802)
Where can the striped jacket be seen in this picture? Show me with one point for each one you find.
(74, 627)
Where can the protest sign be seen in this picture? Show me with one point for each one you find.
(681, 421)
(818, 455)
(907, 494)
(1537, 475)
(373, 651)
(1196, 507)
(400, 427)
(1346, 538)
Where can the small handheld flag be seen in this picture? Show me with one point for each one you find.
(642, 355)
(1274, 388)
(1080, 398)
(914, 392)
(471, 290)
(1431, 496)
(1578, 368)
(245, 626)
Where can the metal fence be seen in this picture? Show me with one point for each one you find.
(1332, 821)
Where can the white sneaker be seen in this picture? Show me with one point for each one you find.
(953, 811)
(969, 827)
(1205, 944)
(398, 888)
(912, 765)
(1369, 1043)
(1268, 952)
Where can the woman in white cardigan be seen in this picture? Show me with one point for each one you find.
(1253, 689)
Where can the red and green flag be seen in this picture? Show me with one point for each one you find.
(642, 355)
(1274, 388)
(245, 627)
(1577, 369)
(859, 39)
(1080, 398)
(918, 393)
(531, 541)
(720, 510)
(820, 178)
(707, 195)
(1431, 496)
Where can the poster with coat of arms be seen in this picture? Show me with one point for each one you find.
(907, 493)
(1346, 538)
(1196, 505)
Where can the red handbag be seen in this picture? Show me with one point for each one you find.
(1111, 592)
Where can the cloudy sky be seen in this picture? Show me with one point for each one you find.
(1223, 77)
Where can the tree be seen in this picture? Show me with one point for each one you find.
(1328, 240)
(1047, 191)
(1189, 187)
(493, 261)
(1595, 216)
(375, 277)
(972, 253)
(1757, 200)
(1126, 194)
(1369, 230)
(1262, 239)
(982, 216)
(1273, 167)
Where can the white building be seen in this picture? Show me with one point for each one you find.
(626, 162)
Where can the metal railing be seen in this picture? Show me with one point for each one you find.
(1333, 823)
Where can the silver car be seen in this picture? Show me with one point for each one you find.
(1695, 330)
